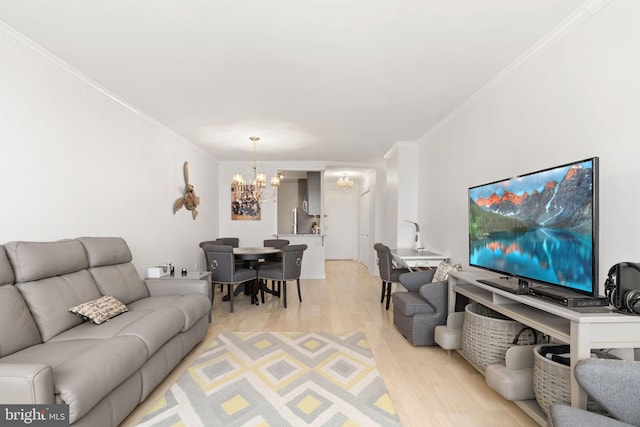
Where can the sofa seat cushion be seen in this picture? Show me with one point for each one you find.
(109, 329)
(193, 306)
(87, 377)
(410, 303)
(51, 353)
(154, 328)
(17, 328)
(152, 303)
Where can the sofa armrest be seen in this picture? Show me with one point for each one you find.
(26, 383)
(178, 286)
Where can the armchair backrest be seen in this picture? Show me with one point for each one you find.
(612, 383)
(220, 262)
(385, 261)
(292, 261)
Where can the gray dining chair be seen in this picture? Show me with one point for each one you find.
(234, 242)
(225, 271)
(275, 243)
(288, 269)
(278, 244)
(208, 263)
(210, 242)
(229, 241)
(388, 272)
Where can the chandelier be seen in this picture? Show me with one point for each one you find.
(249, 186)
(345, 182)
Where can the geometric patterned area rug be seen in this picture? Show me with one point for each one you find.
(278, 379)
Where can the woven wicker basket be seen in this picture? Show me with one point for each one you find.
(552, 382)
(487, 335)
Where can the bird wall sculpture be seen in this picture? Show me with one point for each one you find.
(189, 200)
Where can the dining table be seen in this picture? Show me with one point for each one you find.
(252, 258)
(254, 254)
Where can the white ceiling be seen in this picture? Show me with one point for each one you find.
(336, 81)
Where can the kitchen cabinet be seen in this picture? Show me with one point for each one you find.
(314, 195)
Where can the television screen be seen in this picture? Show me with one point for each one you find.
(540, 227)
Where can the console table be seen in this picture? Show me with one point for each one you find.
(414, 259)
(583, 331)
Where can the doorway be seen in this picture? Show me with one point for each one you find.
(364, 241)
(340, 226)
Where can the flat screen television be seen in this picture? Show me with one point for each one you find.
(541, 228)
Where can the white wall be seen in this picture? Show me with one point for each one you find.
(400, 195)
(577, 99)
(374, 183)
(74, 162)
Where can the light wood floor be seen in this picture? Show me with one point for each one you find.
(427, 387)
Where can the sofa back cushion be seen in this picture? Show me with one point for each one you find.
(106, 250)
(110, 265)
(50, 299)
(17, 328)
(6, 272)
(52, 277)
(37, 260)
(120, 281)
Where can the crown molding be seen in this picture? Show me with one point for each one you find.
(18, 39)
(569, 24)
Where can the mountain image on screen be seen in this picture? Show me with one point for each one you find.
(565, 205)
(537, 226)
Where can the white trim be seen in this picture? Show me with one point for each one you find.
(573, 21)
(11, 35)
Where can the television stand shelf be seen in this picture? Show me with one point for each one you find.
(583, 331)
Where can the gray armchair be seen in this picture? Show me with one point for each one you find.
(416, 313)
(613, 384)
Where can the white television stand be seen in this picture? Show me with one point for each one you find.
(583, 331)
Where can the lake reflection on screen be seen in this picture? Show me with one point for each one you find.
(542, 254)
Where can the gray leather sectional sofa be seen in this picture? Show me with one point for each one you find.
(102, 371)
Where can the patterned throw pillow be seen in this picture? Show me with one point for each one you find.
(99, 310)
(442, 272)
